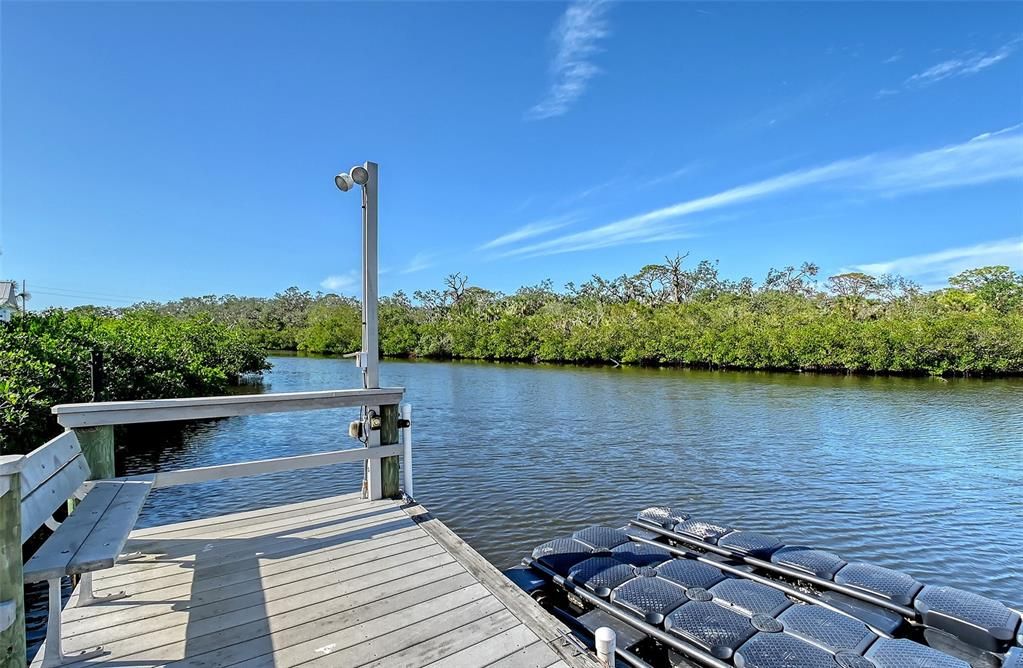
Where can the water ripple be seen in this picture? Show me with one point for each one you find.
(915, 474)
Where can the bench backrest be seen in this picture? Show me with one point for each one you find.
(50, 475)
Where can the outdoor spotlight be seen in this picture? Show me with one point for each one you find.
(360, 175)
(344, 182)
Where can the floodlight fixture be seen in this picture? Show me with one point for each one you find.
(359, 174)
(344, 182)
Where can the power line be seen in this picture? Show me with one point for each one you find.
(87, 292)
(87, 297)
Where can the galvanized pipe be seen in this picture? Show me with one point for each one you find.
(406, 437)
(774, 584)
(776, 568)
(690, 651)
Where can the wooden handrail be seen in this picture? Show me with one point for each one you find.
(102, 413)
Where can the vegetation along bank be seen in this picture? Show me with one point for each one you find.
(664, 314)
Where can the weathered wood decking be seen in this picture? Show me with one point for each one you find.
(334, 582)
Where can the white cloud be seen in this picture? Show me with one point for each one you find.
(419, 262)
(341, 282)
(964, 65)
(612, 234)
(985, 135)
(932, 270)
(997, 156)
(581, 27)
(670, 176)
(529, 231)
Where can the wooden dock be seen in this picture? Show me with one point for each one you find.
(340, 581)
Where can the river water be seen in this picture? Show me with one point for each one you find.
(921, 475)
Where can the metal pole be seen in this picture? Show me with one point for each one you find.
(406, 464)
(370, 351)
(909, 613)
(690, 651)
(774, 584)
(370, 339)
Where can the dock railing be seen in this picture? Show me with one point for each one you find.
(386, 427)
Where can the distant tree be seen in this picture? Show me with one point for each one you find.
(675, 278)
(455, 286)
(792, 281)
(854, 284)
(997, 286)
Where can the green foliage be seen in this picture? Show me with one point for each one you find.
(668, 314)
(44, 360)
(664, 314)
(998, 287)
(332, 326)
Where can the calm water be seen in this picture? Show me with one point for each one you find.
(921, 475)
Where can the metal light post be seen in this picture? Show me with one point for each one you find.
(368, 359)
(370, 340)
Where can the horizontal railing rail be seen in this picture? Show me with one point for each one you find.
(103, 413)
(263, 466)
(388, 437)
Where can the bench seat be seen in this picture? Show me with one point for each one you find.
(93, 536)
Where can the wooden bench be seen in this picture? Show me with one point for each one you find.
(90, 539)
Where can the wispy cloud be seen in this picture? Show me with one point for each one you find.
(419, 262)
(966, 64)
(670, 176)
(997, 156)
(341, 282)
(894, 58)
(578, 34)
(985, 135)
(529, 231)
(613, 234)
(933, 269)
(587, 192)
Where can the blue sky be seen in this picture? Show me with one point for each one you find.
(154, 150)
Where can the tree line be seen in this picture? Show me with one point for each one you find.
(46, 359)
(667, 313)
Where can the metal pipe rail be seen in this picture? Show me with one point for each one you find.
(103, 413)
(909, 613)
(774, 584)
(625, 655)
(690, 651)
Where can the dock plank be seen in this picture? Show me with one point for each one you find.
(537, 655)
(448, 642)
(166, 618)
(501, 645)
(336, 581)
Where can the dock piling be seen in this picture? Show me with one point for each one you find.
(12, 587)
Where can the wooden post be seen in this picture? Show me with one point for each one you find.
(389, 466)
(12, 585)
(98, 448)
